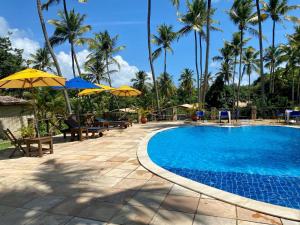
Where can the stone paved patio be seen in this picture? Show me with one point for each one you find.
(100, 181)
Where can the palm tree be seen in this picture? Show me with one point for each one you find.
(225, 57)
(104, 44)
(140, 81)
(166, 86)
(277, 10)
(187, 83)
(206, 74)
(71, 30)
(241, 13)
(251, 63)
(194, 21)
(164, 40)
(48, 45)
(41, 60)
(150, 53)
(271, 56)
(261, 50)
(96, 68)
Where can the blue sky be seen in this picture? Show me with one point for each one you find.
(127, 18)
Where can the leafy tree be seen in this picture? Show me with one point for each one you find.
(104, 44)
(164, 40)
(71, 30)
(140, 81)
(186, 85)
(166, 86)
(10, 58)
(41, 60)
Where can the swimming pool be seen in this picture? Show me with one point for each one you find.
(257, 162)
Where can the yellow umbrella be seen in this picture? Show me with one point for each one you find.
(126, 91)
(101, 88)
(30, 78)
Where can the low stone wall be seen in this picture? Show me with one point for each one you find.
(14, 117)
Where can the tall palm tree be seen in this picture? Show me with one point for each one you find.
(166, 86)
(277, 10)
(225, 57)
(251, 63)
(206, 74)
(164, 40)
(271, 57)
(150, 53)
(48, 45)
(261, 50)
(140, 81)
(71, 30)
(187, 82)
(241, 13)
(194, 22)
(96, 68)
(41, 60)
(104, 44)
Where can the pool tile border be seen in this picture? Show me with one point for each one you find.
(274, 210)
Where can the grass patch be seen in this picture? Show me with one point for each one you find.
(4, 145)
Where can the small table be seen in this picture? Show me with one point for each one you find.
(39, 141)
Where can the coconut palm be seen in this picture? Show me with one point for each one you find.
(194, 21)
(261, 50)
(164, 40)
(96, 68)
(271, 56)
(140, 81)
(104, 44)
(241, 13)
(187, 82)
(251, 64)
(277, 10)
(41, 60)
(50, 49)
(71, 30)
(166, 85)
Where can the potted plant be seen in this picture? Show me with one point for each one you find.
(193, 114)
(144, 113)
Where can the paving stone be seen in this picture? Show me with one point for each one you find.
(44, 202)
(145, 199)
(245, 214)
(289, 222)
(118, 173)
(212, 220)
(179, 190)
(180, 203)
(211, 207)
(165, 217)
(81, 221)
(19, 216)
(50, 219)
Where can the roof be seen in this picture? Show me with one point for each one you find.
(9, 100)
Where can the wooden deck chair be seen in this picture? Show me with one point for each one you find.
(14, 141)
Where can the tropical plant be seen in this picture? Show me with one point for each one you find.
(41, 60)
(140, 81)
(50, 49)
(271, 56)
(186, 85)
(241, 13)
(277, 10)
(166, 86)
(71, 30)
(251, 64)
(104, 44)
(163, 40)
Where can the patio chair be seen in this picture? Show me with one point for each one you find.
(15, 142)
(224, 115)
(200, 114)
(292, 114)
(112, 123)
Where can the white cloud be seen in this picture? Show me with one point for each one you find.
(19, 38)
(122, 77)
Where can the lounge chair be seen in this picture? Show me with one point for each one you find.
(15, 142)
(292, 114)
(112, 123)
(75, 129)
(200, 114)
(224, 115)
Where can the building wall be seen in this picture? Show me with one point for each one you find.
(14, 117)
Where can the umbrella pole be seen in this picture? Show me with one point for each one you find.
(36, 122)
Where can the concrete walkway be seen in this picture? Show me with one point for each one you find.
(100, 181)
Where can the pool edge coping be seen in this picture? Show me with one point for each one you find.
(247, 203)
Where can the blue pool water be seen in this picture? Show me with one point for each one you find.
(258, 162)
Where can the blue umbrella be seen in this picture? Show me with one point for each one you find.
(78, 83)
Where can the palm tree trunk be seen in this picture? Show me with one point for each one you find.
(43, 25)
(273, 59)
(298, 90)
(249, 85)
(261, 53)
(201, 65)
(75, 59)
(197, 69)
(165, 61)
(73, 64)
(233, 76)
(107, 70)
(207, 49)
(150, 55)
(240, 75)
(293, 89)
